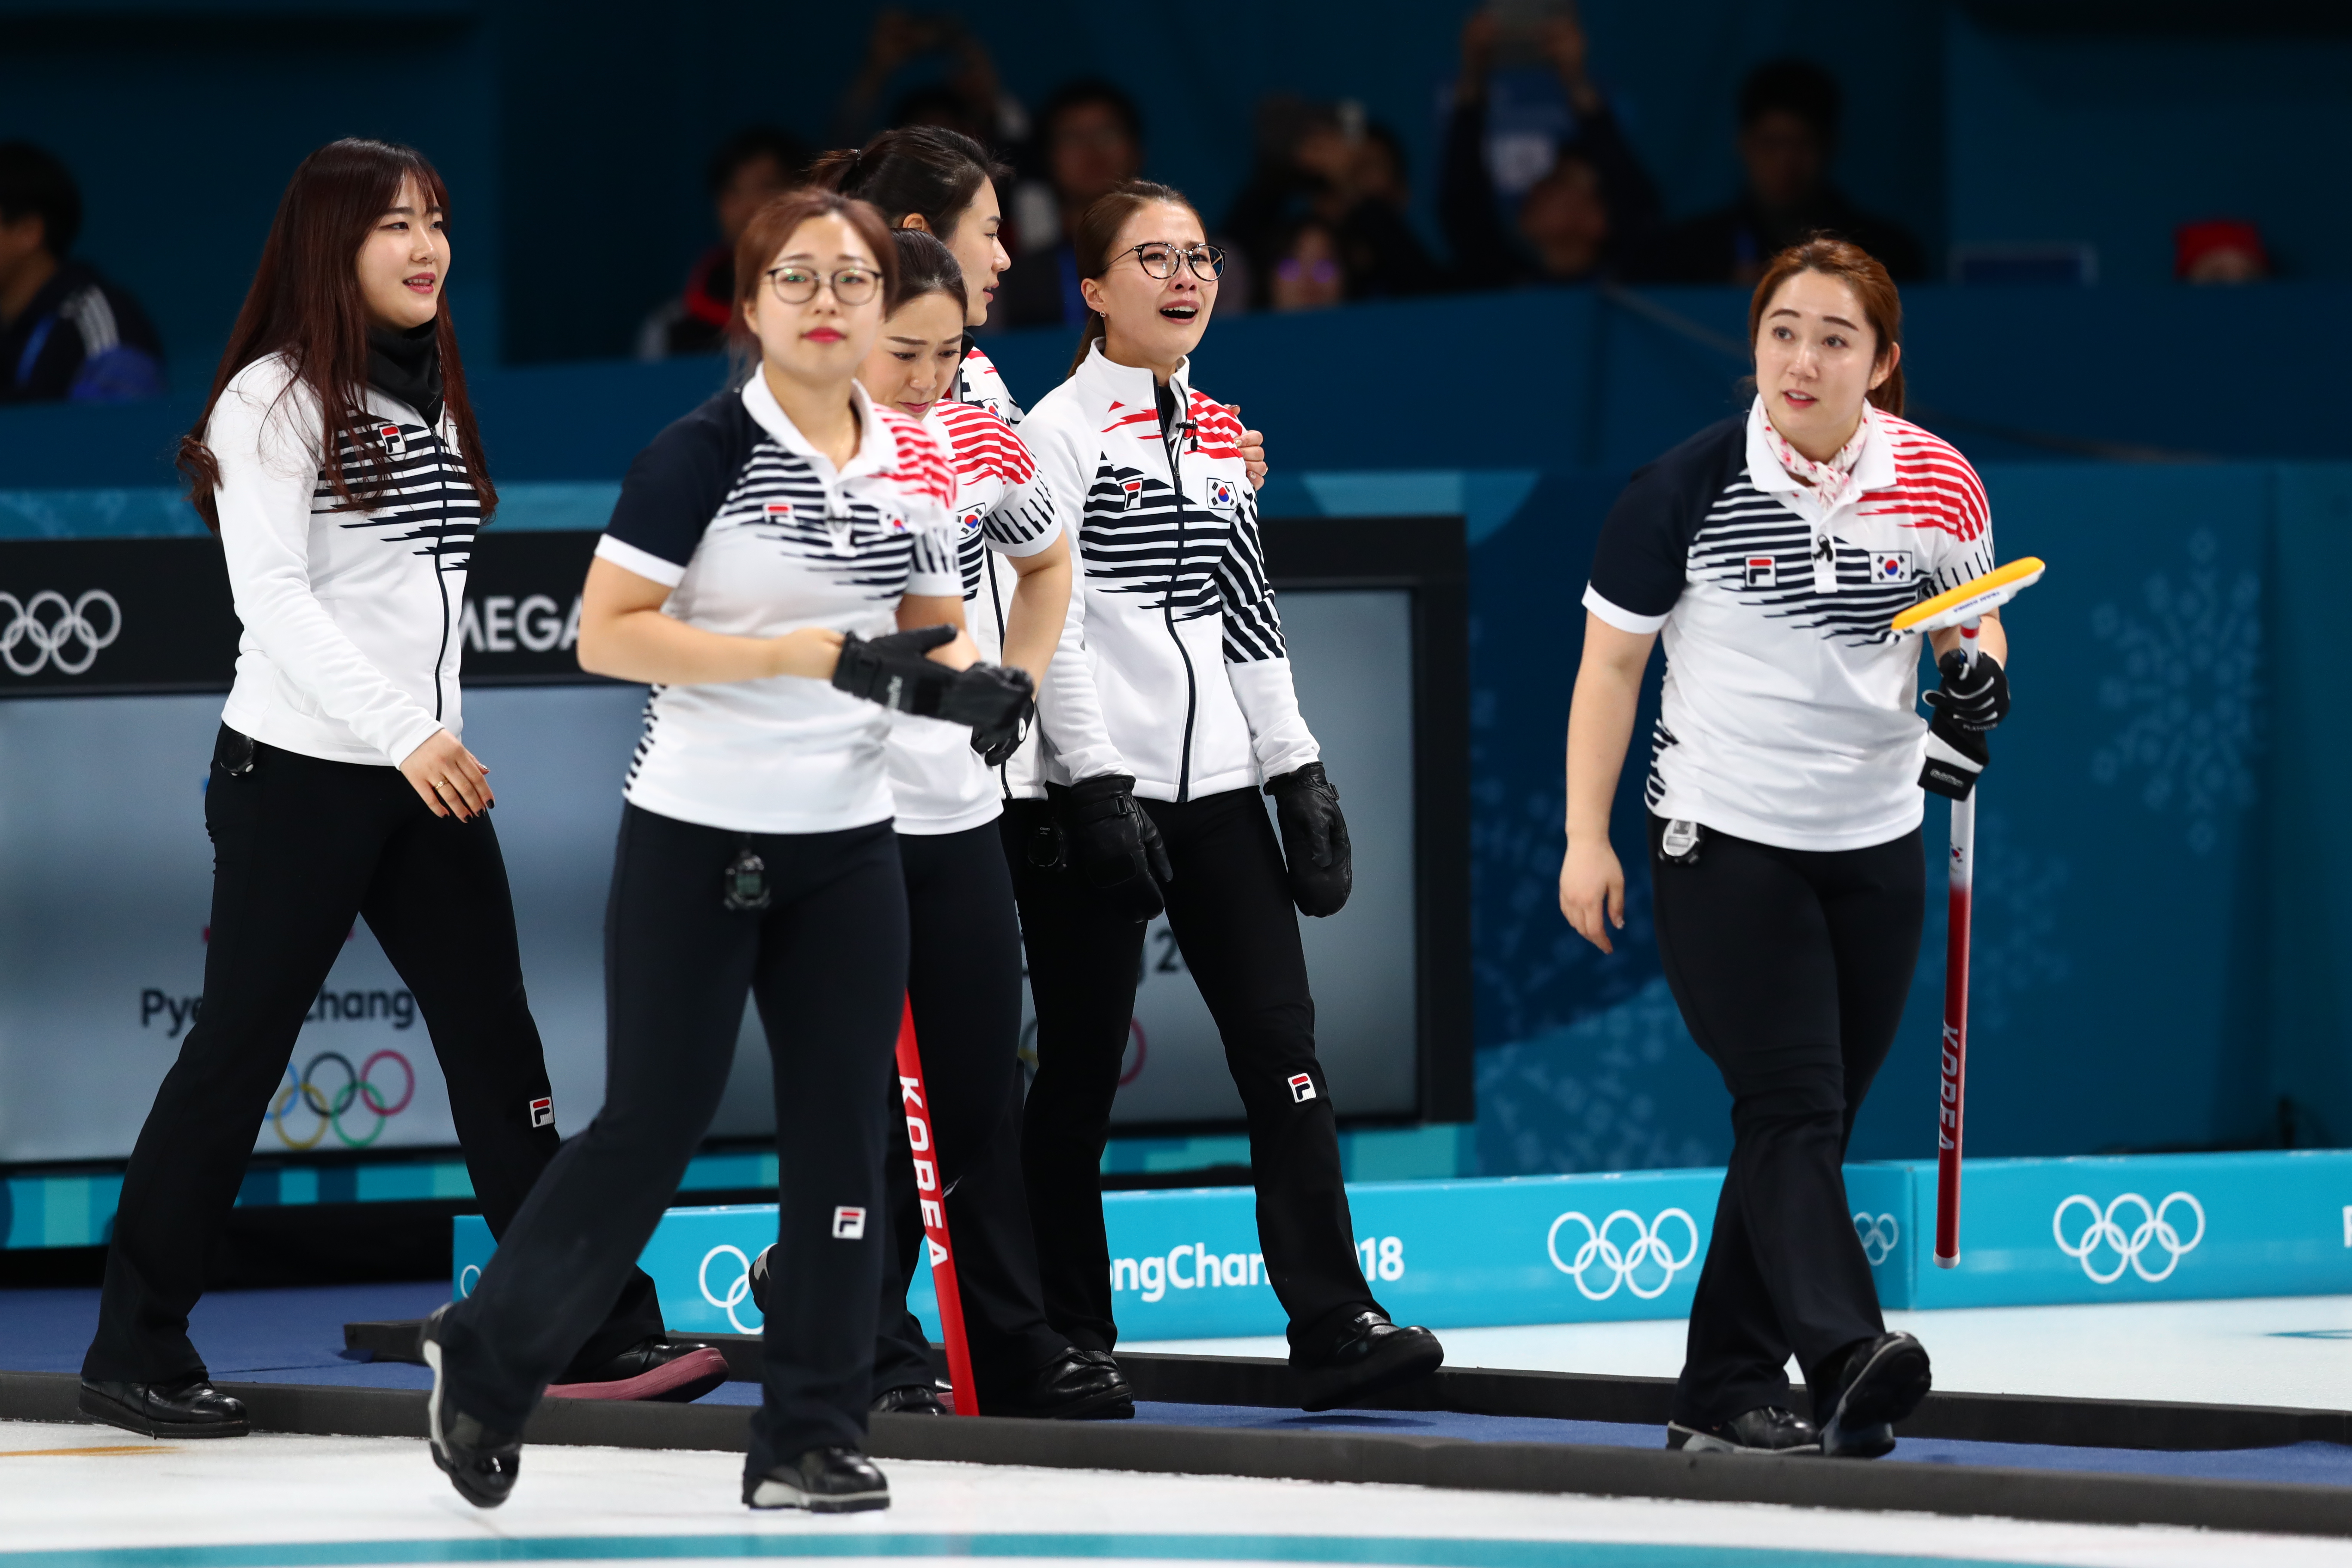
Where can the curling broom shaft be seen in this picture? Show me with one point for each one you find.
(930, 1198)
(1951, 1105)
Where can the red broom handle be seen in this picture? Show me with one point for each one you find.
(930, 1198)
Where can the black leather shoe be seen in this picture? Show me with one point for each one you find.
(759, 1272)
(910, 1399)
(652, 1370)
(822, 1481)
(1878, 1382)
(1370, 1355)
(481, 1463)
(1766, 1430)
(1076, 1385)
(192, 1407)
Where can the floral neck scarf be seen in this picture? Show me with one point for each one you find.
(1833, 480)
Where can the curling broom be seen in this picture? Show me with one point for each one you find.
(930, 1198)
(1955, 775)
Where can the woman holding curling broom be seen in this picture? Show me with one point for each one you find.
(1772, 551)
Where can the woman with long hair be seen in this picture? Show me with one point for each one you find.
(338, 459)
(1154, 798)
(762, 551)
(964, 972)
(1772, 552)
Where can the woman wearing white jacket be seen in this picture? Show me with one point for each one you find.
(338, 462)
(1153, 767)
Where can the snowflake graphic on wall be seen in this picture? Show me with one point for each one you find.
(2188, 679)
(1610, 1092)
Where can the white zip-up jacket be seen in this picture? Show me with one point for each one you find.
(1191, 689)
(350, 645)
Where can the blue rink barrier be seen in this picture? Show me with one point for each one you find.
(1599, 1248)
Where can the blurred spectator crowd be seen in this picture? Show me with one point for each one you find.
(1535, 185)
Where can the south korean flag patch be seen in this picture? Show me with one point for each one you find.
(968, 520)
(1221, 493)
(1892, 566)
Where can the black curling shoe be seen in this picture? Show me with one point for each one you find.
(822, 1481)
(1766, 1430)
(1369, 1354)
(190, 1407)
(913, 1399)
(1077, 1385)
(482, 1464)
(1879, 1382)
(759, 1277)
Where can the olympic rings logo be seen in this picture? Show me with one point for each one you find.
(1600, 1247)
(1879, 1236)
(358, 1091)
(738, 1292)
(2102, 1232)
(49, 622)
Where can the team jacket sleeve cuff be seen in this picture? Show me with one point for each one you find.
(1624, 620)
(643, 563)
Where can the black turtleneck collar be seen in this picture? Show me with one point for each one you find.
(407, 366)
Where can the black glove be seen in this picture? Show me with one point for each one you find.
(1113, 843)
(991, 698)
(1974, 698)
(1956, 756)
(892, 671)
(997, 743)
(1314, 839)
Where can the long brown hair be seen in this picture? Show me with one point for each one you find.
(305, 304)
(780, 218)
(1881, 305)
(1097, 231)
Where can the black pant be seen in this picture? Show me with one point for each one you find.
(1791, 967)
(964, 980)
(302, 847)
(827, 962)
(1229, 905)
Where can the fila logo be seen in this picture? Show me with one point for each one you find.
(1891, 566)
(777, 510)
(390, 435)
(542, 1113)
(848, 1224)
(1302, 1087)
(1762, 572)
(1134, 489)
(1221, 494)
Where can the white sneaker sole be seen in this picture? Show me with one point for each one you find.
(773, 1493)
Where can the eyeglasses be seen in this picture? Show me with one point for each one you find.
(1160, 259)
(798, 285)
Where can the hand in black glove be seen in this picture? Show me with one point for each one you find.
(997, 743)
(892, 671)
(1113, 843)
(1314, 839)
(1972, 698)
(994, 701)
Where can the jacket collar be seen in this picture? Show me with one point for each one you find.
(878, 450)
(1113, 386)
(1874, 470)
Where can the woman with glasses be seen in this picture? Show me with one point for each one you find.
(761, 553)
(1196, 712)
(963, 979)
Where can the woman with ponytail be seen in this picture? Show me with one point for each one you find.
(338, 459)
(1153, 789)
(1771, 552)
